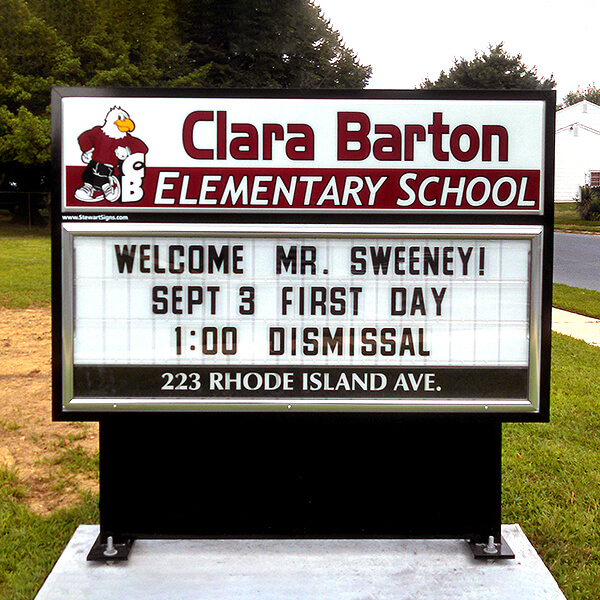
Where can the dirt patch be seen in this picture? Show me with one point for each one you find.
(45, 455)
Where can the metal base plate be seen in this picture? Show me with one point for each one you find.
(108, 548)
(492, 550)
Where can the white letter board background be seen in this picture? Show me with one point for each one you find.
(484, 319)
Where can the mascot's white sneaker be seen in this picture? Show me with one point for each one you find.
(112, 190)
(86, 193)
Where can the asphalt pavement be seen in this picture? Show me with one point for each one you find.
(577, 263)
(577, 260)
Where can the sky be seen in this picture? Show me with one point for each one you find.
(405, 42)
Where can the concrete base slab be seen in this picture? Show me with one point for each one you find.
(297, 569)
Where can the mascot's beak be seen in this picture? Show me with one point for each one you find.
(125, 125)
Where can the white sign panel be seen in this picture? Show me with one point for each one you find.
(306, 317)
(313, 154)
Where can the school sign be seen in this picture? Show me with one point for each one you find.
(352, 251)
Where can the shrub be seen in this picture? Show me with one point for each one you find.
(588, 203)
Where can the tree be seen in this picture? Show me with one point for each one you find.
(268, 43)
(32, 60)
(591, 94)
(118, 42)
(494, 70)
(243, 43)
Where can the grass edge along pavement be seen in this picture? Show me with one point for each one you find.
(576, 300)
(566, 218)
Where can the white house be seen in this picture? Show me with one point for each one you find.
(577, 149)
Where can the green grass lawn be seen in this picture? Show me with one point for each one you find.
(567, 218)
(25, 273)
(30, 544)
(583, 302)
(551, 472)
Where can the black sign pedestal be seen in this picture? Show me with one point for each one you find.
(299, 476)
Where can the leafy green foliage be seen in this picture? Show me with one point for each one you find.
(298, 48)
(26, 137)
(117, 42)
(241, 43)
(492, 70)
(591, 93)
(588, 203)
(32, 60)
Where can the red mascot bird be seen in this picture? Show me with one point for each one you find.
(103, 150)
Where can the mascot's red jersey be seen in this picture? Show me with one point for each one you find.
(104, 147)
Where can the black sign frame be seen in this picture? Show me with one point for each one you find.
(341, 218)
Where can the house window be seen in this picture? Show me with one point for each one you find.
(594, 178)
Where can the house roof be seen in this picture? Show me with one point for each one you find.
(584, 114)
(579, 126)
